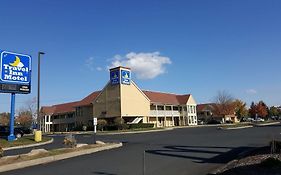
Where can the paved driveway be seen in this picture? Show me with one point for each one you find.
(193, 151)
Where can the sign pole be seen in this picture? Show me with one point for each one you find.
(11, 137)
(144, 168)
(95, 122)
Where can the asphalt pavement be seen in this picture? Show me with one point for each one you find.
(186, 151)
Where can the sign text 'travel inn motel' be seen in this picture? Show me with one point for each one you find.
(15, 68)
(15, 72)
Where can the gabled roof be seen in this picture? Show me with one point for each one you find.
(183, 98)
(59, 109)
(154, 97)
(69, 107)
(89, 99)
(166, 98)
(207, 106)
(48, 109)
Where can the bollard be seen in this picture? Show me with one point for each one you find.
(38, 136)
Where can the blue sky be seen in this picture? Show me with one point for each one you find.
(197, 47)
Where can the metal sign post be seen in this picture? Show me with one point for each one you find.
(12, 137)
(95, 122)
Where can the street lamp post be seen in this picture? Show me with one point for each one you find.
(38, 90)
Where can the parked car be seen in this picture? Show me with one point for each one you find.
(250, 119)
(259, 120)
(200, 122)
(24, 129)
(5, 131)
(228, 121)
(274, 117)
(213, 122)
(244, 119)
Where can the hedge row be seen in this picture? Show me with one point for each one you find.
(112, 127)
(141, 125)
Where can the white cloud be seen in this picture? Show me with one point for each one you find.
(89, 63)
(144, 65)
(251, 91)
(99, 69)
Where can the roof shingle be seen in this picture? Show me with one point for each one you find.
(166, 98)
(69, 107)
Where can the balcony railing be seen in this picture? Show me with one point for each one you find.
(164, 113)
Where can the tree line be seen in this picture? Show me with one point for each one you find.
(24, 117)
(225, 104)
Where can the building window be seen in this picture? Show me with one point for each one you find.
(175, 108)
(168, 108)
(160, 108)
(79, 111)
(152, 107)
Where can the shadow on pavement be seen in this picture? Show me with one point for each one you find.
(201, 154)
(103, 173)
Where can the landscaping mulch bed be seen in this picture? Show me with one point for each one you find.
(254, 164)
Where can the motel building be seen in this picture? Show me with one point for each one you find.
(121, 97)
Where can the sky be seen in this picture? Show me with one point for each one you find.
(178, 46)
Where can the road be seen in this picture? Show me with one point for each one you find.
(187, 151)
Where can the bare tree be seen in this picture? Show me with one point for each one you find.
(224, 104)
(4, 118)
(24, 118)
(31, 106)
(27, 114)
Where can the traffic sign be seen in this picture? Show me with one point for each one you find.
(95, 121)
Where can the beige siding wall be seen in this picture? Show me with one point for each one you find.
(191, 101)
(85, 115)
(153, 120)
(169, 121)
(107, 103)
(133, 101)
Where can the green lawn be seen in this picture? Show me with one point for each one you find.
(26, 140)
(24, 157)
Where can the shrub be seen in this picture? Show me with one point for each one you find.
(111, 127)
(120, 123)
(275, 146)
(78, 128)
(101, 124)
(70, 141)
(271, 162)
(141, 125)
(1, 152)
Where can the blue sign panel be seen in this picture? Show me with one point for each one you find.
(126, 76)
(114, 77)
(15, 68)
(15, 72)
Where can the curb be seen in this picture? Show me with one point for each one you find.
(241, 127)
(137, 132)
(49, 159)
(115, 133)
(267, 124)
(28, 146)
